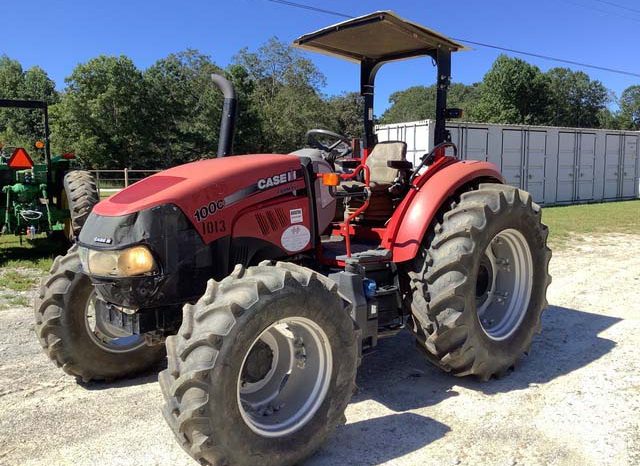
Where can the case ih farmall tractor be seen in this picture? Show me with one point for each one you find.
(270, 275)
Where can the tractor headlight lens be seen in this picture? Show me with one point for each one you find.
(130, 262)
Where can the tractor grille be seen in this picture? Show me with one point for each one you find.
(271, 220)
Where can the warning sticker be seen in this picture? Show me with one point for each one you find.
(295, 238)
(296, 215)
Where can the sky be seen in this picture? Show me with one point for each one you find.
(58, 34)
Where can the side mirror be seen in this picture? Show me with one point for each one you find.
(400, 164)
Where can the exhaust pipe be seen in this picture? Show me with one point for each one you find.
(228, 122)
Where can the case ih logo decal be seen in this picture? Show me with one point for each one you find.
(208, 209)
(270, 182)
(205, 214)
(102, 240)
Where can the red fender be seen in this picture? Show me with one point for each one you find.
(410, 221)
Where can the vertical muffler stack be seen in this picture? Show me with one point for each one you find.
(228, 121)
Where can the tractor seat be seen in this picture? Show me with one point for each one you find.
(381, 177)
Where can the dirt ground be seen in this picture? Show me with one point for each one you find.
(574, 401)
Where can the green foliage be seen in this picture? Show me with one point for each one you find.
(419, 102)
(104, 114)
(575, 100)
(22, 127)
(345, 113)
(513, 91)
(630, 108)
(114, 115)
(285, 95)
(186, 108)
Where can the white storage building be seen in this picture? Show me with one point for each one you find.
(556, 165)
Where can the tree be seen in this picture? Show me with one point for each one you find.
(286, 95)
(513, 91)
(186, 107)
(22, 127)
(346, 112)
(575, 100)
(630, 108)
(104, 114)
(419, 102)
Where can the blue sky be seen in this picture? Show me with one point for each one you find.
(58, 34)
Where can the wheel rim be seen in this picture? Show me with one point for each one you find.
(103, 333)
(504, 284)
(280, 389)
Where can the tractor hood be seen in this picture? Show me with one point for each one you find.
(210, 193)
(223, 181)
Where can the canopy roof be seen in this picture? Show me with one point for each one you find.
(379, 36)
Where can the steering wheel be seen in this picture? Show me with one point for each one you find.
(312, 139)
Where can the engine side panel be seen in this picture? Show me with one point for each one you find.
(409, 223)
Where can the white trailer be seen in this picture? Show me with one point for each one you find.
(556, 165)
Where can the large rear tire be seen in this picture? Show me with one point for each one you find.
(262, 368)
(479, 285)
(80, 194)
(72, 331)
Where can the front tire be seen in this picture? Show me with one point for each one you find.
(262, 368)
(479, 286)
(74, 336)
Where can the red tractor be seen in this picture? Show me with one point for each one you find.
(270, 275)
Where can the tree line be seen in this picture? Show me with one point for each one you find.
(516, 92)
(112, 114)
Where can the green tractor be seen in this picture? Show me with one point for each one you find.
(45, 197)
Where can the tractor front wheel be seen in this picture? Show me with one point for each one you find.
(262, 368)
(479, 286)
(73, 328)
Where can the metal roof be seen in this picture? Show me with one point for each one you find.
(379, 36)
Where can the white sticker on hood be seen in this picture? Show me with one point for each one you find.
(296, 215)
(295, 238)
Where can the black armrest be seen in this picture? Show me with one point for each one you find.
(400, 164)
(348, 163)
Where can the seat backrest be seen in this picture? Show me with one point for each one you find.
(380, 155)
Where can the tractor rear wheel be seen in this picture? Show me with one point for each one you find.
(80, 194)
(72, 328)
(262, 367)
(479, 286)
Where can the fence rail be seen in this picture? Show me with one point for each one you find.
(112, 181)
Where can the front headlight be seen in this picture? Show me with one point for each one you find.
(123, 263)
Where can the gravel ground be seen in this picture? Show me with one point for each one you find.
(574, 401)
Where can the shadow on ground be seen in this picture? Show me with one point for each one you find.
(398, 376)
(378, 440)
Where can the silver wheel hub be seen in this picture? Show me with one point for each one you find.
(504, 284)
(295, 374)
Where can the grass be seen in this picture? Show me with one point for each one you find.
(609, 217)
(37, 254)
(17, 281)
